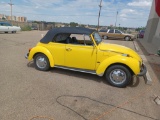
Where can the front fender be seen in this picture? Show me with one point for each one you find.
(41, 49)
(132, 63)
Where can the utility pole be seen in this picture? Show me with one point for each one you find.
(100, 6)
(11, 8)
(116, 19)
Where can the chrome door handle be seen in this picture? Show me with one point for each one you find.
(68, 49)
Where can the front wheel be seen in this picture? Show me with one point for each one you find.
(118, 76)
(41, 62)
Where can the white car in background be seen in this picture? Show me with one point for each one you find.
(7, 27)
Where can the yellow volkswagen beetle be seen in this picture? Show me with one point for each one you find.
(82, 49)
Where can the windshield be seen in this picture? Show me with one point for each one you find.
(97, 38)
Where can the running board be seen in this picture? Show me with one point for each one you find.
(78, 70)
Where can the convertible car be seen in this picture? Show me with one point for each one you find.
(82, 49)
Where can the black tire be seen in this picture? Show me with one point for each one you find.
(41, 62)
(115, 71)
(127, 38)
(105, 37)
(13, 31)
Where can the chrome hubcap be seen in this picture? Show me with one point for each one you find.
(105, 37)
(127, 38)
(118, 76)
(41, 62)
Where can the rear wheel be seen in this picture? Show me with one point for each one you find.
(13, 31)
(127, 38)
(41, 62)
(118, 76)
(105, 37)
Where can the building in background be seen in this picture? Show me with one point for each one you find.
(14, 18)
(152, 33)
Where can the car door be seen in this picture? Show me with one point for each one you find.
(103, 32)
(110, 33)
(3, 27)
(81, 55)
(57, 49)
(118, 34)
(10, 27)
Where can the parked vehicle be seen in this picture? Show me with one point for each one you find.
(115, 34)
(82, 49)
(141, 34)
(7, 27)
(34, 28)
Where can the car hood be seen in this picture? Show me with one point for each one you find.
(119, 49)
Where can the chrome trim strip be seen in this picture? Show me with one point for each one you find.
(143, 71)
(79, 70)
(112, 51)
(100, 74)
(26, 56)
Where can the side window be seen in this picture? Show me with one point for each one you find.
(111, 31)
(103, 30)
(81, 39)
(97, 38)
(2, 24)
(87, 40)
(60, 38)
(7, 24)
(117, 31)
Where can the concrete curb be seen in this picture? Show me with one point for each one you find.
(135, 46)
(147, 77)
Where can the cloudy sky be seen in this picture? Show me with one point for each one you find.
(131, 13)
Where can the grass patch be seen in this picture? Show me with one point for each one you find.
(26, 28)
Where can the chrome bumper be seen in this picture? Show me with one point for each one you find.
(26, 56)
(143, 71)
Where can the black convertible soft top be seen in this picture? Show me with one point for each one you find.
(68, 30)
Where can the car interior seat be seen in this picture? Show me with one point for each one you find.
(68, 40)
(74, 40)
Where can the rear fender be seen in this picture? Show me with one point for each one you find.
(40, 49)
(132, 63)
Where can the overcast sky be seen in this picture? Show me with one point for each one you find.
(131, 13)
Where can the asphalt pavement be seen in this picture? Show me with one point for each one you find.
(29, 94)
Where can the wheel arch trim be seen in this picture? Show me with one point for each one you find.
(39, 49)
(120, 60)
